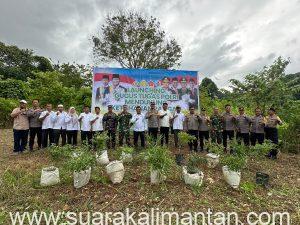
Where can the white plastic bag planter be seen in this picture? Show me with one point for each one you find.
(156, 177)
(102, 159)
(50, 176)
(81, 178)
(115, 171)
(194, 179)
(232, 178)
(126, 157)
(212, 160)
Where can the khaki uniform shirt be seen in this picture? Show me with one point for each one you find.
(153, 119)
(243, 123)
(258, 124)
(273, 121)
(228, 121)
(21, 121)
(191, 122)
(203, 123)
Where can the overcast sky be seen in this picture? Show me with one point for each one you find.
(221, 39)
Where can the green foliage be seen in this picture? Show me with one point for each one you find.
(6, 107)
(124, 149)
(82, 161)
(135, 41)
(100, 140)
(185, 138)
(248, 187)
(234, 162)
(61, 152)
(216, 148)
(160, 159)
(210, 87)
(11, 88)
(194, 162)
(290, 135)
(260, 150)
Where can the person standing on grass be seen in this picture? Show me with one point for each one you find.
(243, 127)
(216, 126)
(177, 120)
(191, 125)
(228, 125)
(204, 122)
(96, 122)
(124, 126)
(72, 126)
(257, 132)
(139, 126)
(86, 128)
(152, 116)
(59, 125)
(47, 126)
(110, 121)
(164, 121)
(20, 127)
(35, 125)
(271, 131)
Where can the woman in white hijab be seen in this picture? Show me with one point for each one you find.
(72, 126)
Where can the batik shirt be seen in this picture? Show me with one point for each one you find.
(124, 121)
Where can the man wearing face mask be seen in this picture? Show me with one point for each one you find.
(21, 127)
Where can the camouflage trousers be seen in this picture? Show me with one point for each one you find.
(216, 136)
(124, 134)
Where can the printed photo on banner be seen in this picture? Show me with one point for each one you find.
(132, 87)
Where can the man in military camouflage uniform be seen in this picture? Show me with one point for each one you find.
(110, 120)
(216, 127)
(124, 126)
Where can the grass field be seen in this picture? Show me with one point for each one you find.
(20, 189)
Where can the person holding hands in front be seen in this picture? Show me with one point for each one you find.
(85, 124)
(47, 126)
(164, 121)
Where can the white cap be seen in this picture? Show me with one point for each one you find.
(60, 105)
(23, 101)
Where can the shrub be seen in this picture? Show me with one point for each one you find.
(159, 158)
(6, 107)
(61, 152)
(15, 89)
(234, 162)
(82, 161)
(100, 141)
(194, 162)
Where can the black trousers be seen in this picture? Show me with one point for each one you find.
(229, 134)
(20, 140)
(57, 133)
(111, 142)
(243, 136)
(136, 135)
(272, 135)
(164, 135)
(203, 135)
(176, 132)
(35, 131)
(86, 137)
(153, 131)
(72, 137)
(259, 137)
(195, 142)
(47, 134)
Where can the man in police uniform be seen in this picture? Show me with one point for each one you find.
(216, 126)
(153, 121)
(191, 125)
(204, 122)
(228, 125)
(243, 127)
(271, 131)
(124, 126)
(257, 128)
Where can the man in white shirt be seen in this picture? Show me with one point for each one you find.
(86, 128)
(47, 126)
(138, 122)
(177, 119)
(59, 125)
(164, 121)
(96, 122)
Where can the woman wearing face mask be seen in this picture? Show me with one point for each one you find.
(72, 126)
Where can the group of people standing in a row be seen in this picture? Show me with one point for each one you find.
(49, 126)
